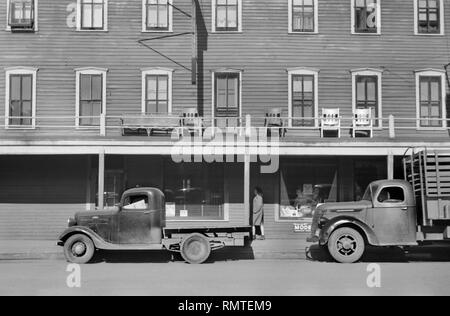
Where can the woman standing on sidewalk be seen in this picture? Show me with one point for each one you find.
(258, 213)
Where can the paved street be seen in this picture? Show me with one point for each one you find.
(242, 277)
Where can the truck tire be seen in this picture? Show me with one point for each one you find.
(195, 248)
(346, 245)
(79, 249)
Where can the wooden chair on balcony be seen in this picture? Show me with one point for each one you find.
(274, 120)
(362, 121)
(330, 121)
(192, 121)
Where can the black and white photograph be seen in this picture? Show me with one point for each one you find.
(225, 153)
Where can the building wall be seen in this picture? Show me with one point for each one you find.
(39, 193)
(264, 50)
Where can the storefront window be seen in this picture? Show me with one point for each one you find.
(304, 185)
(194, 191)
(366, 171)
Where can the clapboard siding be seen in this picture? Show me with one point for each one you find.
(264, 50)
(35, 221)
(39, 193)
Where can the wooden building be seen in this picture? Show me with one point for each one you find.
(73, 70)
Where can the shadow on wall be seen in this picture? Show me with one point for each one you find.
(43, 179)
(202, 46)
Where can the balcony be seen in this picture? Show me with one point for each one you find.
(171, 128)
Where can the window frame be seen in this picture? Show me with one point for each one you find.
(169, 29)
(441, 20)
(214, 94)
(291, 19)
(353, 19)
(303, 72)
(431, 73)
(89, 71)
(156, 72)
(20, 71)
(369, 72)
(384, 204)
(36, 17)
(214, 27)
(80, 28)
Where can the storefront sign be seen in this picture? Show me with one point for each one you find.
(302, 227)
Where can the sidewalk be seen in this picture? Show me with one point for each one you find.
(29, 249)
(260, 249)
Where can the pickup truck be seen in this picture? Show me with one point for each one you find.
(406, 212)
(139, 223)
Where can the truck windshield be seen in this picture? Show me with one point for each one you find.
(368, 194)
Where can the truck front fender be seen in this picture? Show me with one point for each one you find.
(98, 241)
(334, 224)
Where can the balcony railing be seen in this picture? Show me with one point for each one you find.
(103, 125)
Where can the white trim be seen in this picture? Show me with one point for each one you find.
(27, 147)
(36, 16)
(352, 26)
(157, 71)
(213, 85)
(144, 19)
(105, 18)
(441, 19)
(370, 72)
(88, 71)
(316, 19)
(21, 71)
(431, 73)
(213, 18)
(307, 72)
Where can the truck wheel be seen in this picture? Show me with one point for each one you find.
(79, 249)
(195, 249)
(346, 245)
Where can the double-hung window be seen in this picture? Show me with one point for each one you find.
(429, 16)
(367, 92)
(366, 17)
(227, 15)
(20, 99)
(157, 91)
(93, 15)
(303, 97)
(303, 16)
(22, 15)
(91, 96)
(157, 94)
(227, 94)
(157, 15)
(430, 99)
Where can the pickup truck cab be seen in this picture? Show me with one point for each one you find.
(385, 216)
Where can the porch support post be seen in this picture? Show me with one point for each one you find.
(101, 179)
(247, 185)
(390, 166)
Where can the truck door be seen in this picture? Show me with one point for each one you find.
(135, 220)
(391, 216)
